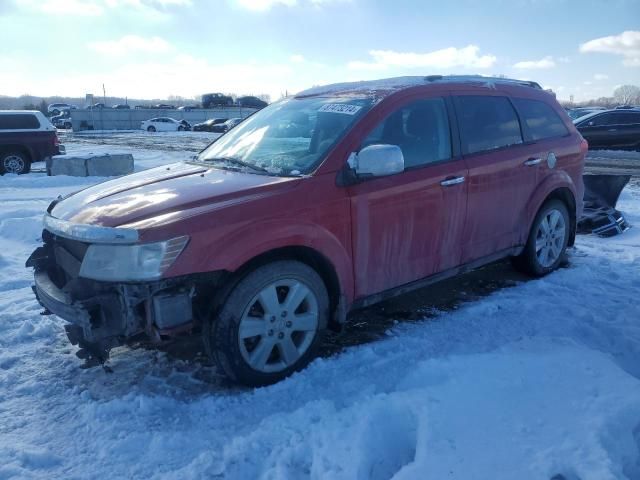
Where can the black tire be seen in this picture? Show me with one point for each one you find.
(528, 261)
(181, 128)
(15, 162)
(221, 334)
(151, 128)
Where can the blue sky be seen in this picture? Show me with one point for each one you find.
(157, 48)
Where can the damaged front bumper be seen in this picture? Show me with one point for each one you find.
(103, 315)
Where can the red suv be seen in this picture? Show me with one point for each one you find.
(319, 204)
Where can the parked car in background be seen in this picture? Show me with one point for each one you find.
(615, 129)
(164, 124)
(263, 242)
(575, 113)
(121, 106)
(211, 100)
(96, 106)
(185, 124)
(208, 126)
(164, 106)
(626, 107)
(251, 102)
(25, 137)
(58, 108)
(61, 121)
(232, 122)
(188, 108)
(225, 126)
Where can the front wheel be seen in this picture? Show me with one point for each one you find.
(547, 242)
(270, 325)
(181, 128)
(14, 162)
(151, 129)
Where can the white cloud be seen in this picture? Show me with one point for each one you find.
(173, 74)
(97, 7)
(130, 44)
(543, 63)
(297, 58)
(600, 76)
(627, 45)
(446, 58)
(63, 7)
(263, 5)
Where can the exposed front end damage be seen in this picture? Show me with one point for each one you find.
(103, 315)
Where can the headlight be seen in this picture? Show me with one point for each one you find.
(145, 261)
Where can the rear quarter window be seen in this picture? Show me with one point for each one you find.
(487, 123)
(541, 119)
(18, 121)
(628, 118)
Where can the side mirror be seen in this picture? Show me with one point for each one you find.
(377, 161)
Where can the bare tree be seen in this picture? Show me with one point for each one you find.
(627, 94)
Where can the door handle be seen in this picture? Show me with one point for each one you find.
(533, 162)
(612, 130)
(452, 181)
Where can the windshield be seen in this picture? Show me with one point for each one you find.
(289, 137)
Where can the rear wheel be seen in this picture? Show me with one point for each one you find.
(270, 324)
(151, 128)
(15, 162)
(547, 242)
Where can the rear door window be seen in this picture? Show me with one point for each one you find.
(541, 119)
(604, 119)
(18, 121)
(487, 123)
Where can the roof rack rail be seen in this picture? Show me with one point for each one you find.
(481, 79)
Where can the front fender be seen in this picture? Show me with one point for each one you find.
(555, 180)
(234, 249)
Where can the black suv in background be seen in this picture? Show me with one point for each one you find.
(25, 137)
(211, 100)
(251, 102)
(615, 129)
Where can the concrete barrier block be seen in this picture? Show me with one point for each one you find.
(91, 165)
(110, 165)
(64, 165)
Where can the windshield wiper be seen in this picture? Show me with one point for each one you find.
(241, 163)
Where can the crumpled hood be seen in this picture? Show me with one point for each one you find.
(162, 191)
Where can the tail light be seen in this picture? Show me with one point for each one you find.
(56, 140)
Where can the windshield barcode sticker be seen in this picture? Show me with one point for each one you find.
(340, 108)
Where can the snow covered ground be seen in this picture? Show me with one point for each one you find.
(532, 381)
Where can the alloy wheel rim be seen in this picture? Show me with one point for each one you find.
(278, 325)
(550, 238)
(13, 164)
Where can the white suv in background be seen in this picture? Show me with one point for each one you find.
(58, 108)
